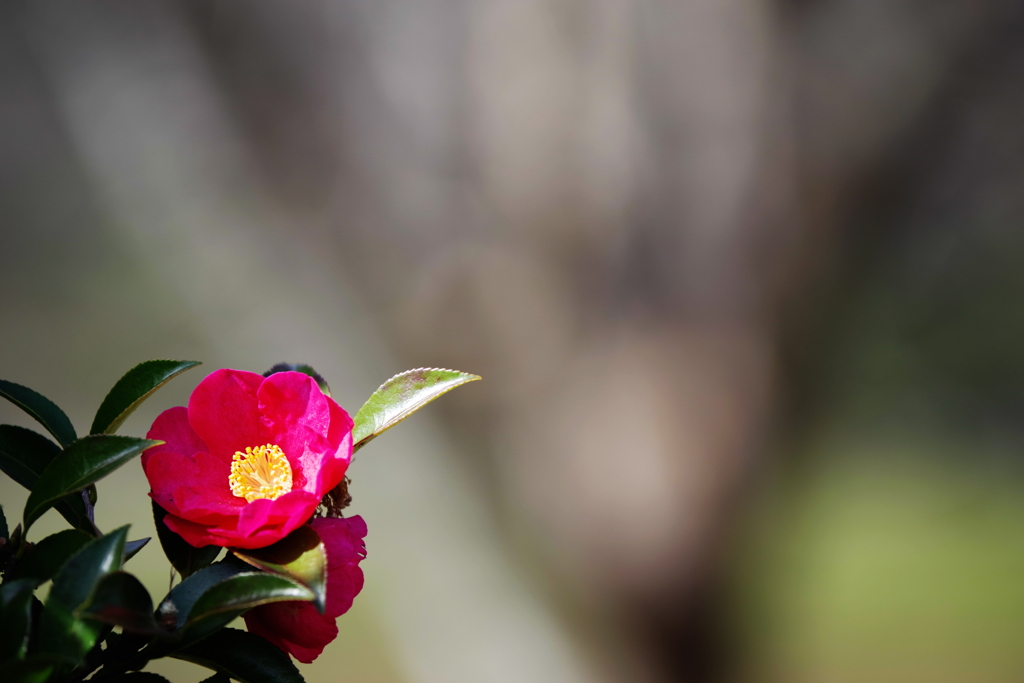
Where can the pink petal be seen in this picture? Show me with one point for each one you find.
(335, 464)
(224, 411)
(297, 417)
(343, 540)
(307, 655)
(264, 521)
(291, 509)
(172, 427)
(293, 398)
(295, 627)
(196, 535)
(191, 485)
(341, 424)
(229, 411)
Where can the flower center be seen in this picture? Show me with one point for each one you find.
(261, 472)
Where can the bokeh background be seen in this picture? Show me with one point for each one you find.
(743, 278)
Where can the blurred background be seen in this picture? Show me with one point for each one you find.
(743, 278)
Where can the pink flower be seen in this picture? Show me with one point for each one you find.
(296, 627)
(249, 459)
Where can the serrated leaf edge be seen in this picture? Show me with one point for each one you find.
(470, 377)
(466, 378)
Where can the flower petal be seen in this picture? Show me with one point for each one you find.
(224, 411)
(290, 511)
(334, 466)
(229, 411)
(196, 535)
(297, 417)
(172, 427)
(193, 486)
(296, 627)
(343, 540)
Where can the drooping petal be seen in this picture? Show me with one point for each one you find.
(296, 627)
(343, 540)
(224, 411)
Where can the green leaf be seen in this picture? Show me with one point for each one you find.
(135, 387)
(32, 670)
(24, 456)
(121, 600)
(400, 397)
(46, 557)
(224, 601)
(174, 608)
(216, 678)
(15, 618)
(42, 409)
(304, 369)
(61, 634)
(132, 548)
(245, 657)
(213, 596)
(85, 461)
(4, 532)
(185, 558)
(300, 555)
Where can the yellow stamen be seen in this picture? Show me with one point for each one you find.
(263, 472)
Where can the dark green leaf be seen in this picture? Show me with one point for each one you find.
(32, 670)
(24, 455)
(216, 678)
(61, 634)
(174, 609)
(132, 548)
(121, 600)
(87, 460)
(72, 508)
(304, 369)
(42, 409)
(42, 562)
(301, 556)
(15, 618)
(231, 597)
(185, 558)
(4, 532)
(245, 657)
(134, 388)
(400, 397)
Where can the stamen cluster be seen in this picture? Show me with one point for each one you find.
(261, 472)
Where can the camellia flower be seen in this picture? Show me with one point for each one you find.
(250, 458)
(297, 627)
